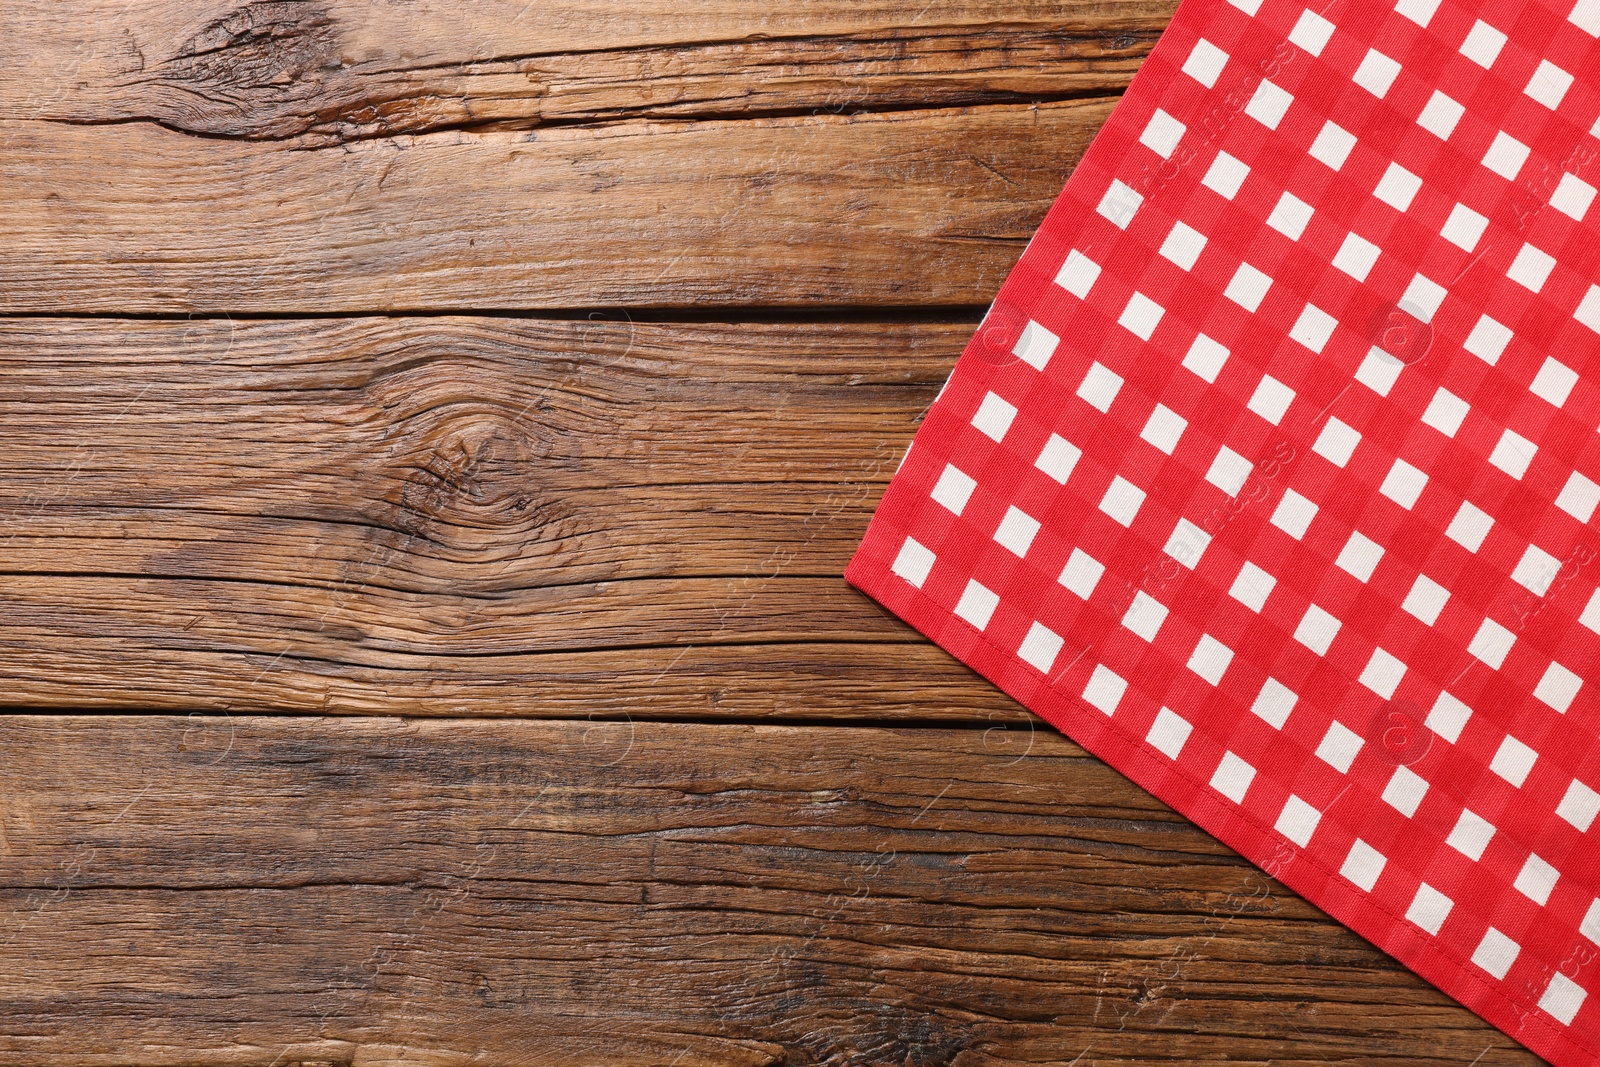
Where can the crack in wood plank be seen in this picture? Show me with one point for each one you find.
(376, 892)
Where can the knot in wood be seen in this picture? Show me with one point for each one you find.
(463, 475)
(256, 72)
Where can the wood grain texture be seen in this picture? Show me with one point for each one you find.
(289, 157)
(348, 69)
(905, 208)
(492, 516)
(531, 542)
(250, 891)
(345, 70)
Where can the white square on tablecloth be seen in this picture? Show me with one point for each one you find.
(1536, 879)
(1311, 32)
(1496, 953)
(1078, 274)
(1205, 63)
(1058, 458)
(1162, 134)
(1040, 647)
(977, 604)
(1252, 587)
(1356, 256)
(914, 562)
(1554, 382)
(1210, 659)
(1404, 484)
(1363, 865)
(1579, 497)
(1183, 245)
(1337, 442)
(1274, 703)
(1562, 999)
(1017, 530)
(1145, 615)
(1317, 630)
(1579, 806)
(1164, 428)
(954, 488)
(1464, 228)
(1339, 747)
(1572, 197)
(1105, 689)
(1225, 176)
(1268, 104)
(1483, 44)
(1440, 115)
(1513, 760)
(1418, 11)
(1271, 399)
(1290, 216)
(1359, 556)
(1471, 835)
(1169, 732)
(1141, 316)
(1429, 908)
(1426, 599)
(1333, 145)
(1398, 187)
(1376, 73)
(1187, 543)
(1405, 791)
(1206, 357)
(1298, 821)
(1232, 777)
(1229, 471)
(1488, 340)
(1081, 574)
(1122, 500)
(1558, 687)
(1448, 716)
(994, 417)
(1100, 387)
(1248, 287)
(1294, 514)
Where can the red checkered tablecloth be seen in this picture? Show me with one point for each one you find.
(1270, 476)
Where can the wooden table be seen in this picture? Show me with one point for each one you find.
(432, 435)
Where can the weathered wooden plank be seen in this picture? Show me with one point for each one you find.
(462, 515)
(317, 70)
(277, 891)
(905, 208)
(346, 69)
(805, 680)
(583, 182)
(102, 38)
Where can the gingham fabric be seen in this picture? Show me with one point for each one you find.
(1270, 476)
